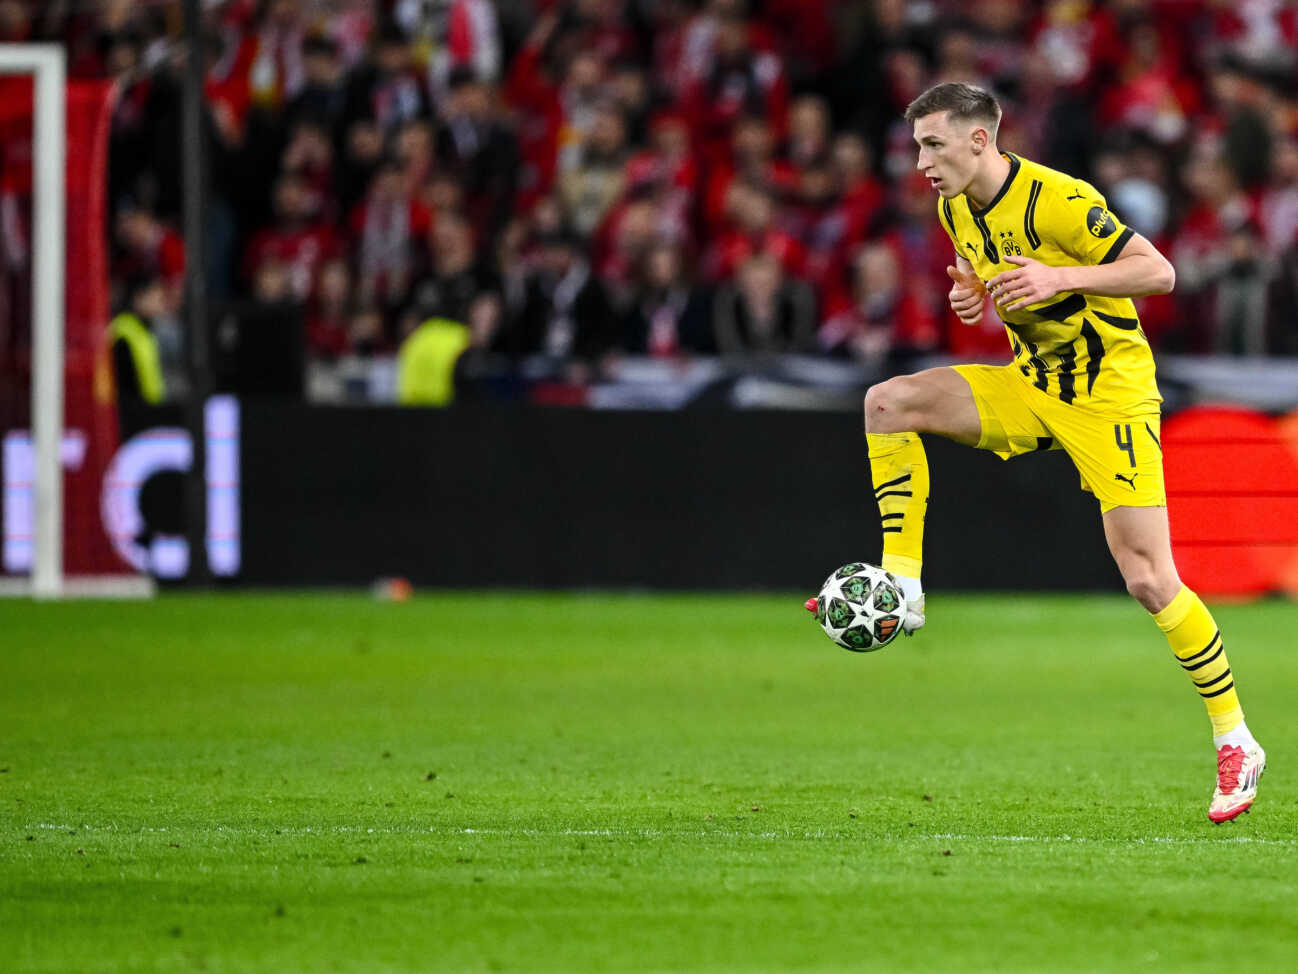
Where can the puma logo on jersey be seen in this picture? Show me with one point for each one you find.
(1129, 481)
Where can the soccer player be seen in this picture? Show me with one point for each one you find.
(1062, 270)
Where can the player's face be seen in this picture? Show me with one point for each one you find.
(946, 153)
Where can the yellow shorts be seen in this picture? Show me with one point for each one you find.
(1120, 458)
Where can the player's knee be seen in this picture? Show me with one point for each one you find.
(887, 407)
(1150, 587)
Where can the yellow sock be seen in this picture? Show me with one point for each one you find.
(1196, 641)
(899, 470)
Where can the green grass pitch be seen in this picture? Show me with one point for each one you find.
(501, 782)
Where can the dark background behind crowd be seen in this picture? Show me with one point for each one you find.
(580, 181)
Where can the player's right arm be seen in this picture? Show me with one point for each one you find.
(968, 294)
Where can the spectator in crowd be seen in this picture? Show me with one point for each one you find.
(637, 224)
(300, 238)
(137, 362)
(763, 311)
(1200, 251)
(309, 155)
(667, 171)
(148, 247)
(426, 362)
(837, 204)
(455, 278)
(752, 212)
(751, 160)
(382, 94)
(555, 104)
(809, 133)
(327, 334)
(568, 314)
(1242, 287)
(386, 228)
(476, 146)
(483, 371)
(668, 316)
(321, 95)
(631, 92)
(260, 342)
(367, 332)
(885, 319)
(387, 89)
(589, 189)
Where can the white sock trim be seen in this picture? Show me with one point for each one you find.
(911, 590)
(1238, 737)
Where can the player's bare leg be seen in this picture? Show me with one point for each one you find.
(1141, 544)
(933, 401)
(896, 412)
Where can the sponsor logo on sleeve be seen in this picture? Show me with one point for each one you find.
(1100, 222)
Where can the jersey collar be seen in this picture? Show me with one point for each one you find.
(1005, 187)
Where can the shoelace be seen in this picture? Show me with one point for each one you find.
(1230, 760)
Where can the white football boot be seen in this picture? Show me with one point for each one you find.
(1238, 772)
(914, 617)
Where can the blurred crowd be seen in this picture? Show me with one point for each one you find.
(575, 181)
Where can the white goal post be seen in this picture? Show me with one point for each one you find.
(47, 63)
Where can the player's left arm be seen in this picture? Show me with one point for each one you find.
(1137, 271)
(1108, 259)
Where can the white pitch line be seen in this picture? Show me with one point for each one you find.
(908, 837)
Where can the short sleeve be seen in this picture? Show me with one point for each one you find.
(1085, 228)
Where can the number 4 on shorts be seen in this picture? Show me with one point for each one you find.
(1127, 445)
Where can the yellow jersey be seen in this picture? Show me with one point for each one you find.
(1084, 349)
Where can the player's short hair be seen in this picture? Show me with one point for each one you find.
(968, 103)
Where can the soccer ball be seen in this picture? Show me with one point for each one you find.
(861, 607)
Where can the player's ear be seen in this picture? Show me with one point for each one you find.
(979, 139)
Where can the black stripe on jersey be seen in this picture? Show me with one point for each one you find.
(1154, 438)
(1095, 351)
(1030, 215)
(1044, 443)
(1203, 652)
(1061, 311)
(1067, 362)
(950, 217)
(1039, 364)
(989, 247)
(1218, 693)
(1126, 324)
(892, 483)
(892, 517)
(898, 531)
(1118, 244)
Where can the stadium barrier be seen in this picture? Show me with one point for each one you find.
(705, 498)
(577, 498)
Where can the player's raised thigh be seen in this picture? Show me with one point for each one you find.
(933, 401)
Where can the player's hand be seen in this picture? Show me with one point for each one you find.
(967, 297)
(1031, 282)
